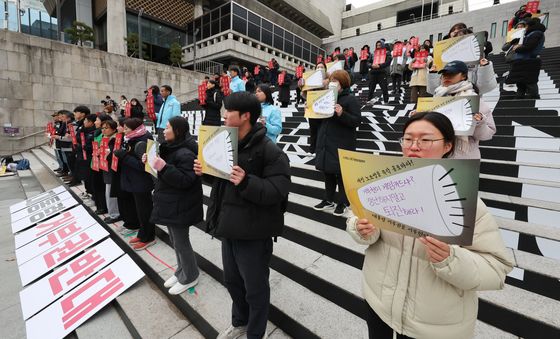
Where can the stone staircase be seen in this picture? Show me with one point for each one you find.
(315, 269)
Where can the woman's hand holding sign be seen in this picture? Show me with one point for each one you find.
(437, 250)
(365, 228)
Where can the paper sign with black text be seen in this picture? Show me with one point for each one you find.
(32, 201)
(217, 150)
(459, 109)
(313, 79)
(42, 211)
(412, 196)
(467, 48)
(320, 104)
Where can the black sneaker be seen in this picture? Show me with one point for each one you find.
(339, 210)
(110, 220)
(323, 205)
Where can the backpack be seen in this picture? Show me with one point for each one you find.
(22, 164)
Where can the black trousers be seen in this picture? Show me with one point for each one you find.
(246, 275)
(532, 90)
(314, 125)
(98, 187)
(144, 205)
(299, 98)
(397, 82)
(378, 329)
(127, 210)
(331, 182)
(378, 78)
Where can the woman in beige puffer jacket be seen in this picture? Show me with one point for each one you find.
(412, 290)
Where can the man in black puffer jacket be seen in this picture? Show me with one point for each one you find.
(247, 212)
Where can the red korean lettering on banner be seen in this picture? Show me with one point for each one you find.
(72, 134)
(414, 42)
(257, 70)
(103, 153)
(114, 159)
(150, 106)
(48, 226)
(202, 94)
(270, 64)
(95, 157)
(69, 248)
(420, 59)
(83, 140)
(398, 49)
(363, 54)
(299, 71)
(105, 285)
(532, 6)
(379, 56)
(60, 234)
(128, 109)
(224, 84)
(79, 269)
(281, 78)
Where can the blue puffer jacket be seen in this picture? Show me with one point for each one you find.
(533, 43)
(171, 108)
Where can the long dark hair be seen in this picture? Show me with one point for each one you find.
(439, 121)
(180, 127)
(267, 92)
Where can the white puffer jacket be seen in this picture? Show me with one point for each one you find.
(424, 300)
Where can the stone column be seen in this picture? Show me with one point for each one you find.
(116, 27)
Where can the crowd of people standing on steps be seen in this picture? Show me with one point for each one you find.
(107, 153)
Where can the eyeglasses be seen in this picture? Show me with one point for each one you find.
(421, 143)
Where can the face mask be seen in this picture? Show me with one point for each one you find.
(334, 85)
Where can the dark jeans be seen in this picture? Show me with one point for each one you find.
(397, 82)
(378, 329)
(378, 78)
(187, 270)
(331, 181)
(127, 210)
(531, 90)
(144, 204)
(98, 186)
(246, 276)
(417, 92)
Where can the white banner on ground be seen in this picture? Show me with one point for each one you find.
(32, 201)
(50, 207)
(76, 214)
(32, 209)
(60, 253)
(42, 293)
(70, 311)
(47, 241)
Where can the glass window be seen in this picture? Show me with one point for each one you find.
(205, 18)
(305, 54)
(215, 15)
(254, 18)
(254, 32)
(439, 36)
(297, 51)
(239, 11)
(288, 36)
(313, 57)
(288, 47)
(278, 31)
(493, 30)
(225, 10)
(239, 25)
(206, 31)
(297, 41)
(35, 22)
(504, 27)
(306, 45)
(215, 27)
(266, 37)
(25, 26)
(267, 24)
(224, 23)
(278, 42)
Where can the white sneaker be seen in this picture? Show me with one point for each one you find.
(170, 282)
(179, 288)
(233, 332)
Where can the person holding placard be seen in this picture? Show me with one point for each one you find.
(379, 71)
(213, 107)
(246, 212)
(86, 154)
(273, 68)
(423, 287)
(134, 179)
(96, 175)
(178, 199)
(315, 123)
(454, 82)
(365, 59)
(336, 132)
(481, 74)
(419, 65)
(271, 117)
(397, 67)
(109, 130)
(284, 82)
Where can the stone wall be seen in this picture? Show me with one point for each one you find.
(39, 76)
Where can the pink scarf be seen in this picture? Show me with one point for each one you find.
(138, 132)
